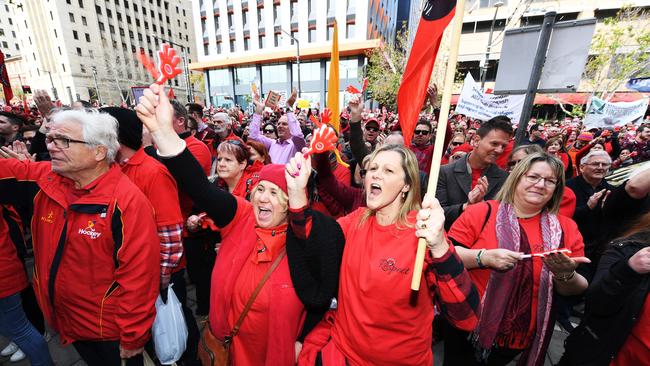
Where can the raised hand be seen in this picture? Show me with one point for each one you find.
(356, 108)
(478, 193)
(297, 173)
(157, 114)
(292, 98)
(18, 150)
(592, 202)
(430, 226)
(43, 102)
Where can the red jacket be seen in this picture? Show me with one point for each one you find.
(12, 271)
(96, 254)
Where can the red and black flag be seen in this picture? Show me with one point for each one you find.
(436, 15)
(4, 80)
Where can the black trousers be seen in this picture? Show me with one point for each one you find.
(200, 256)
(459, 350)
(106, 353)
(32, 310)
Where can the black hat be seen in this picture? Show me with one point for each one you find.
(129, 126)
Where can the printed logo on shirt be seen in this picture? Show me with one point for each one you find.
(90, 230)
(49, 218)
(390, 265)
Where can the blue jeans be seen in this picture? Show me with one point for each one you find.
(14, 325)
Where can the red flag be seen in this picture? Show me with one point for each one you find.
(171, 94)
(4, 80)
(352, 90)
(26, 107)
(365, 85)
(436, 15)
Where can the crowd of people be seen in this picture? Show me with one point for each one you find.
(308, 259)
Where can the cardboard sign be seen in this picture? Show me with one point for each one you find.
(272, 99)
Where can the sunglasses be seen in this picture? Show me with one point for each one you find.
(269, 131)
(421, 132)
(372, 129)
(456, 143)
(512, 163)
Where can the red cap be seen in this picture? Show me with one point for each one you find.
(464, 147)
(274, 173)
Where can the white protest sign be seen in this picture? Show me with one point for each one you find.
(604, 114)
(476, 104)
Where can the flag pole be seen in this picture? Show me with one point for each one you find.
(440, 134)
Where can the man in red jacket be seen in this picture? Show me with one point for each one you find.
(96, 250)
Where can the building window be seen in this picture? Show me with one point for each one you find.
(98, 10)
(131, 34)
(312, 35)
(349, 30)
(276, 39)
(274, 73)
(330, 33)
(128, 19)
(247, 42)
(71, 17)
(83, 68)
(244, 17)
(75, 35)
(83, 21)
(87, 37)
(261, 39)
(260, 16)
(101, 26)
(90, 53)
(109, 13)
(232, 45)
(218, 47)
(111, 28)
(206, 49)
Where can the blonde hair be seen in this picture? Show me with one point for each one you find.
(283, 199)
(411, 177)
(507, 192)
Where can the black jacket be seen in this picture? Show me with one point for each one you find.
(613, 303)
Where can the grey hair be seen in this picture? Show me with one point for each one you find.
(585, 159)
(99, 129)
(223, 116)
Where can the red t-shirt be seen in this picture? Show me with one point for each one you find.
(469, 232)
(636, 349)
(476, 175)
(375, 282)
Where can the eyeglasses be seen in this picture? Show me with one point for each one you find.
(599, 165)
(456, 143)
(372, 129)
(421, 132)
(269, 131)
(62, 142)
(534, 179)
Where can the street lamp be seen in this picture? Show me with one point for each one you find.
(186, 69)
(99, 96)
(297, 57)
(54, 93)
(497, 5)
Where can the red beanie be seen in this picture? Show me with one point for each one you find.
(464, 147)
(274, 173)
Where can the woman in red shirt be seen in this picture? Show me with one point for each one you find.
(555, 147)
(510, 246)
(379, 320)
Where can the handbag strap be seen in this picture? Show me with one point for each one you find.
(256, 292)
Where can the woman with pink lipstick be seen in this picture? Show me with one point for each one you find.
(379, 320)
(262, 301)
(500, 241)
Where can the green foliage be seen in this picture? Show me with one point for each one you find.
(385, 68)
(619, 50)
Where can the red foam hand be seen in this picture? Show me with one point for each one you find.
(365, 85)
(148, 65)
(324, 139)
(167, 64)
(352, 90)
(326, 116)
(207, 222)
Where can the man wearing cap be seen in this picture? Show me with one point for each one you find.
(10, 125)
(290, 138)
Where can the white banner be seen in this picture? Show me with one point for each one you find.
(604, 114)
(476, 104)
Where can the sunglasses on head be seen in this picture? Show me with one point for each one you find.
(372, 129)
(421, 132)
(235, 142)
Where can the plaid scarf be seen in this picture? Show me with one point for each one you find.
(506, 305)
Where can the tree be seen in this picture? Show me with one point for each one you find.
(619, 51)
(385, 68)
